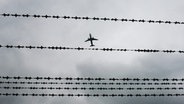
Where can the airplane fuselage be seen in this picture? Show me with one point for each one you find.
(91, 40)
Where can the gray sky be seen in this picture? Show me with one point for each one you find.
(72, 33)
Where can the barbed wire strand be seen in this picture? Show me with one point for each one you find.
(90, 18)
(92, 88)
(90, 49)
(91, 95)
(86, 83)
(89, 78)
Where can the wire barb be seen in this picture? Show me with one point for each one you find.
(92, 88)
(89, 78)
(90, 95)
(91, 18)
(91, 83)
(90, 49)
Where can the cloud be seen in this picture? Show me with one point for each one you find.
(151, 66)
(60, 32)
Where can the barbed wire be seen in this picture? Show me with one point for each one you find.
(92, 88)
(87, 83)
(89, 78)
(90, 49)
(90, 18)
(90, 95)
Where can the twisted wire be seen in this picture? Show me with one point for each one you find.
(87, 83)
(92, 88)
(90, 18)
(90, 78)
(91, 49)
(91, 95)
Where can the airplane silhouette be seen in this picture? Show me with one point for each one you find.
(91, 40)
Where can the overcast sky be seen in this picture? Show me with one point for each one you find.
(73, 33)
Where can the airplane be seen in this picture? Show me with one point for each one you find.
(91, 40)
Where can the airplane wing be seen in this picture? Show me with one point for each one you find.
(87, 40)
(94, 39)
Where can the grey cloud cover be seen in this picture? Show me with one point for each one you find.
(29, 31)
